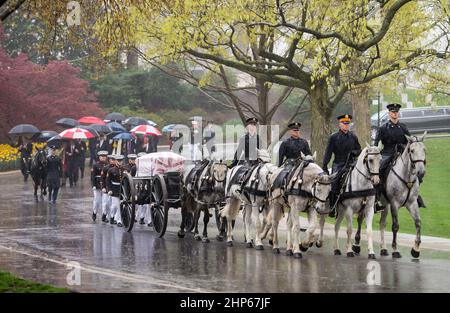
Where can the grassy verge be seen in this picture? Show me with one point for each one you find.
(9, 283)
(435, 191)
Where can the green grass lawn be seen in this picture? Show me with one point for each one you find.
(435, 191)
(9, 283)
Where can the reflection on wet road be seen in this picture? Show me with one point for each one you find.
(37, 240)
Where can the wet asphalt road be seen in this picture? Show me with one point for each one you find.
(38, 240)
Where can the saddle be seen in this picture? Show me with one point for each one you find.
(290, 184)
(241, 176)
(195, 173)
(281, 179)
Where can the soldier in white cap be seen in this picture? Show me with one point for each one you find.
(113, 180)
(97, 183)
(106, 199)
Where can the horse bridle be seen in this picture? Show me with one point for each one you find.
(317, 181)
(413, 162)
(366, 163)
(214, 176)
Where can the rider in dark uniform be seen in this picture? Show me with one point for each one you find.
(392, 135)
(291, 148)
(54, 174)
(248, 144)
(345, 146)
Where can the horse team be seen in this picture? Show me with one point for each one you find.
(255, 190)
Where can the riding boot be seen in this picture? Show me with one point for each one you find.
(378, 204)
(332, 199)
(420, 202)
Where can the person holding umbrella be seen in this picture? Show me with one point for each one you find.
(72, 157)
(81, 157)
(54, 174)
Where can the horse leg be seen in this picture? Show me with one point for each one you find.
(231, 211)
(248, 225)
(370, 211)
(312, 221)
(413, 209)
(258, 229)
(356, 246)
(181, 233)
(295, 230)
(319, 242)
(348, 217)
(395, 227)
(384, 214)
(337, 226)
(276, 217)
(289, 245)
(205, 224)
(196, 219)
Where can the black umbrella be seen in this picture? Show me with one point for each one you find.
(44, 135)
(23, 130)
(56, 141)
(105, 129)
(118, 117)
(91, 129)
(135, 121)
(67, 122)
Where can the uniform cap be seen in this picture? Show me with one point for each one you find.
(119, 157)
(251, 120)
(141, 154)
(345, 118)
(102, 153)
(394, 107)
(295, 125)
(132, 156)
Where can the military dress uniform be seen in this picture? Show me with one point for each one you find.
(25, 159)
(209, 139)
(392, 136)
(291, 148)
(113, 181)
(106, 198)
(97, 184)
(345, 147)
(247, 148)
(54, 174)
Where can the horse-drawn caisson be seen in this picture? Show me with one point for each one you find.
(158, 183)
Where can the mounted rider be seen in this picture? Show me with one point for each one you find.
(248, 145)
(345, 146)
(291, 148)
(392, 136)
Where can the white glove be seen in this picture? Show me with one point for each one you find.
(110, 193)
(94, 188)
(104, 190)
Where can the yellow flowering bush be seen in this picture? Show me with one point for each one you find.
(9, 156)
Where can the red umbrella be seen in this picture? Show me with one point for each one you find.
(76, 133)
(91, 120)
(146, 130)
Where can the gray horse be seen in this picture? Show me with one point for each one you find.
(358, 197)
(204, 190)
(402, 189)
(307, 190)
(253, 194)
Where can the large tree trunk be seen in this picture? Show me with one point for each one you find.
(321, 111)
(361, 114)
(263, 109)
(132, 59)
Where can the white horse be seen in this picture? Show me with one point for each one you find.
(307, 190)
(401, 190)
(253, 194)
(358, 197)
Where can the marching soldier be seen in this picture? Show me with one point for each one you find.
(345, 146)
(291, 148)
(248, 144)
(54, 174)
(392, 135)
(97, 183)
(113, 180)
(106, 198)
(131, 166)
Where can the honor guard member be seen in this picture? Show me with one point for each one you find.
(291, 148)
(247, 151)
(97, 183)
(131, 166)
(392, 135)
(142, 209)
(106, 198)
(54, 174)
(345, 146)
(113, 180)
